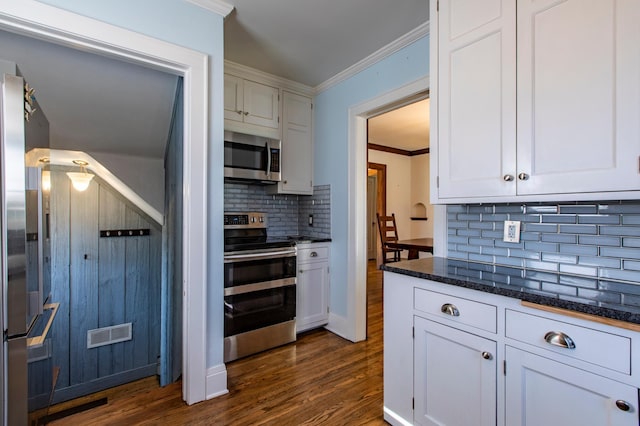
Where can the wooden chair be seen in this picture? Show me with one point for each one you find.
(388, 234)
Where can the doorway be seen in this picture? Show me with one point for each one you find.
(65, 28)
(376, 203)
(357, 204)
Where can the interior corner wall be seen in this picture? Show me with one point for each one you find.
(166, 20)
(331, 150)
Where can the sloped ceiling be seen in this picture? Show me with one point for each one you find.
(94, 103)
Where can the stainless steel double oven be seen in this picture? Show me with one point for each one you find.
(259, 287)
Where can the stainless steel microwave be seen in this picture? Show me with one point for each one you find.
(251, 157)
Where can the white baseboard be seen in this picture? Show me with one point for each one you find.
(216, 384)
(395, 419)
(338, 325)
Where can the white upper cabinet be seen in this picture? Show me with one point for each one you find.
(297, 145)
(251, 107)
(578, 95)
(476, 97)
(569, 86)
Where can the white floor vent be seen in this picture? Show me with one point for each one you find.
(108, 335)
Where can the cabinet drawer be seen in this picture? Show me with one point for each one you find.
(596, 347)
(313, 254)
(456, 309)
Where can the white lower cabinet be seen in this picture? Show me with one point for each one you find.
(541, 391)
(484, 359)
(312, 291)
(455, 376)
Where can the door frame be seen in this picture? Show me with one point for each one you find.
(357, 204)
(381, 199)
(48, 23)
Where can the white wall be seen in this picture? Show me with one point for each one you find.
(407, 184)
(142, 174)
(398, 188)
(420, 194)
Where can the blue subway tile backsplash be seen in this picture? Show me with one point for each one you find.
(587, 240)
(287, 214)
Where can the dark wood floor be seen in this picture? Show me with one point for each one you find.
(320, 379)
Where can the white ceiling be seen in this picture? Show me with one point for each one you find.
(98, 104)
(404, 128)
(310, 41)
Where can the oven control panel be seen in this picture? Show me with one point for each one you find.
(245, 220)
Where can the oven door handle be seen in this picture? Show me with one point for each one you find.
(255, 256)
(266, 285)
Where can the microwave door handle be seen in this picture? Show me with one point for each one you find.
(266, 147)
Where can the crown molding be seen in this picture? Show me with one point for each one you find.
(375, 57)
(264, 77)
(217, 6)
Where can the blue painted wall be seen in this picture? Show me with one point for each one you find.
(167, 20)
(331, 136)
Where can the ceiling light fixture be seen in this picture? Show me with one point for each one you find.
(80, 180)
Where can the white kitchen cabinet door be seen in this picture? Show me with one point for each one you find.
(312, 304)
(578, 96)
(476, 98)
(455, 376)
(541, 391)
(261, 104)
(297, 145)
(233, 98)
(251, 107)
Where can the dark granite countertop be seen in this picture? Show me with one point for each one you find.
(301, 239)
(605, 298)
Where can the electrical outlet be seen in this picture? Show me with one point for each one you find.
(511, 231)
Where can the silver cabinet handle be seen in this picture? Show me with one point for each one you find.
(301, 271)
(558, 338)
(507, 178)
(487, 355)
(246, 113)
(450, 309)
(623, 405)
(313, 254)
(523, 176)
(239, 112)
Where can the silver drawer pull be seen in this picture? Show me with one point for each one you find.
(487, 355)
(313, 254)
(558, 338)
(450, 309)
(623, 405)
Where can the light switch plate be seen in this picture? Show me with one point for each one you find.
(511, 231)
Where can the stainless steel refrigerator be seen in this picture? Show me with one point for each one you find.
(21, 248)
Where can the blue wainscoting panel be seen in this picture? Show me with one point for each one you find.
(102, 282)
(84, 282)
(111, 288)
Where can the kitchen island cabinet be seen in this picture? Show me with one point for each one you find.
(453, 369)
(534, 100)
(470, 348)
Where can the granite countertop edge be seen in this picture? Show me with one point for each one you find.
(406, 268)
(311, 240)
